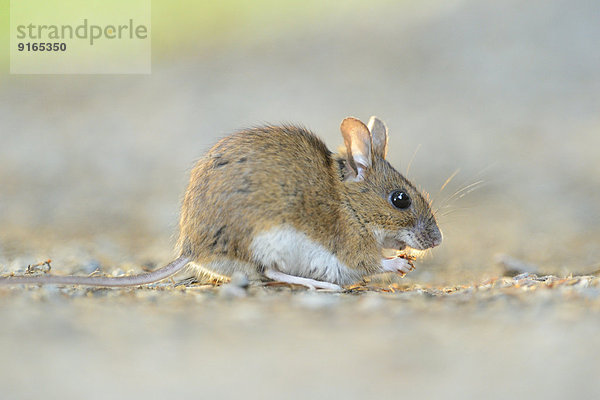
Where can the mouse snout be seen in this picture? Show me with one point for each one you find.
(432, 236)
(436, 236)
(427, 235)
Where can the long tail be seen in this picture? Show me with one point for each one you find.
(133, 280)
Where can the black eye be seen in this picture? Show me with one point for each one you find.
(400, 199)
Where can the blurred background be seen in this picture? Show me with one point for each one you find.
(507, 93)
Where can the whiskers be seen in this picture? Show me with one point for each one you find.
(412, 159)
(449, 179)
(447, 205)
(460, 193)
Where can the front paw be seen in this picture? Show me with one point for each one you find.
(398, 264)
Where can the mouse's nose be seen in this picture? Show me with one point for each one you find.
(437, 241)
(433, 235)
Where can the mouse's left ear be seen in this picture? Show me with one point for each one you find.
(357, 139)
(379, 135)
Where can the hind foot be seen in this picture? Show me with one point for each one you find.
(309, 283)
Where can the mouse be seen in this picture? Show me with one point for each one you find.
(274, 202)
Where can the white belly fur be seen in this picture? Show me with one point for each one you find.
(292, 252)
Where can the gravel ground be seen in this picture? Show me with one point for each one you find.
(92, 169)
(525, 338)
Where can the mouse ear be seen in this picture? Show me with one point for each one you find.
(379, 135)
(357, 139)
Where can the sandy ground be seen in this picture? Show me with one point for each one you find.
(92, 169)
(520, 339)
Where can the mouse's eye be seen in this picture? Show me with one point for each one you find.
(400, 199)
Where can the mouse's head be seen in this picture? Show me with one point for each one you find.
(381, 198)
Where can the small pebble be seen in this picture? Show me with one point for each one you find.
(584, 282)
(370, 302)
(525, 275)
(53, 290)
(230, 291)
(239, 279)
(314, 301)
(90, 266)
(513, 266)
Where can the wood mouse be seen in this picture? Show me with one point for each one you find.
(273, 201)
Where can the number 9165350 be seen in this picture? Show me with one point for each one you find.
(42, 46)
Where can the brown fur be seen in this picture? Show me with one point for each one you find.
(270, 176)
